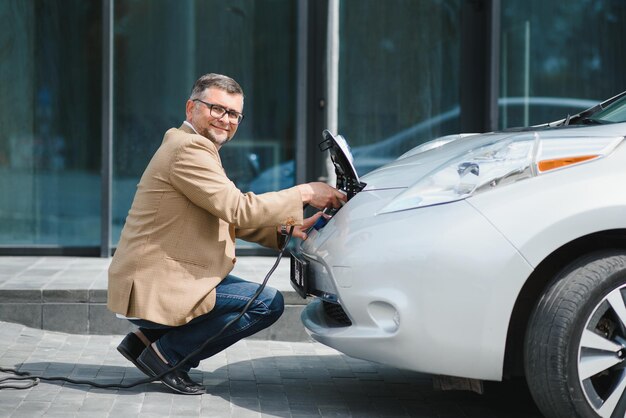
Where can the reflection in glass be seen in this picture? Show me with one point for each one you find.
(161, 48)
(398, 76)
(50, 114)
(558, 58)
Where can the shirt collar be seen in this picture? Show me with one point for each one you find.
(191, 126)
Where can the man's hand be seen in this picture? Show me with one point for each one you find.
(299, 231)
(321, 195)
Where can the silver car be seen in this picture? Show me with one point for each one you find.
(484, 256)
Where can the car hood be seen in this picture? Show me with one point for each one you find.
(411, 168)
(405, 171)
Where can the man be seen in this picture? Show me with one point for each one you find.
(170, 273)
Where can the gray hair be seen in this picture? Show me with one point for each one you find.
(218, 81)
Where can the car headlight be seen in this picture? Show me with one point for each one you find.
(499, 163)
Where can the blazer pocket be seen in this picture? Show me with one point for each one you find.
(197, 242)
(183, 260)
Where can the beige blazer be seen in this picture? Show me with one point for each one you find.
(178, 241)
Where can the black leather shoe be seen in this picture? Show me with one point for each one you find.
(131, 347)
(177, 380)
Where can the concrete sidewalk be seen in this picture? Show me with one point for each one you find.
(68, 294)
(253, 378)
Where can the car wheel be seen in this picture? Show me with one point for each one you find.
(575, 348)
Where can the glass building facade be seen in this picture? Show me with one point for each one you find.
(89, 88)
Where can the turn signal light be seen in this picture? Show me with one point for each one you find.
(547, 165)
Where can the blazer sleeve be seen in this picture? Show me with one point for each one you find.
(268, 237)
(196, 171)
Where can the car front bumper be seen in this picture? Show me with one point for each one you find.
(429, 289)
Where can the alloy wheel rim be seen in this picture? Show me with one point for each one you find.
(602, 354)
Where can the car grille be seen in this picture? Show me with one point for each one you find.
(336, 315)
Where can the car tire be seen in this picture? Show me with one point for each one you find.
(575, 345)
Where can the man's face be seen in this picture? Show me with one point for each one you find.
(217, 130)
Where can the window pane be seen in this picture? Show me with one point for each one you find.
(162, 47)
(559, 58)
(50, 115)
(398, 75)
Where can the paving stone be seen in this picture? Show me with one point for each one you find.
(31, 409)
(19, 295)
(66, 295)
(103, 321)
(22, 313)
(97, 294)
(66, 317)
(96, 405)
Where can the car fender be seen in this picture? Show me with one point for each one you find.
(544, 213)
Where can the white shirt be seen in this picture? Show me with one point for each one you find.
(191, 126)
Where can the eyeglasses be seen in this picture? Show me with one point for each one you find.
(218, 111)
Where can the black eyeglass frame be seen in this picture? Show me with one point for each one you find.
(231, 113)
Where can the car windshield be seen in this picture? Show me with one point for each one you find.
(611, 113)
(615, 112)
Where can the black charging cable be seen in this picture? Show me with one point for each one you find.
(34, 380)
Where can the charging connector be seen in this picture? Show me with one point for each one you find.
(327, 215)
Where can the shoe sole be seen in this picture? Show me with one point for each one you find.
(153, 374)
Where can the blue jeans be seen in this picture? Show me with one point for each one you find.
(232, 294)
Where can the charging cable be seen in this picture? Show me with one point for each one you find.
(34, 380)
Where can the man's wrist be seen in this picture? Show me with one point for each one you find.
(306, 193)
